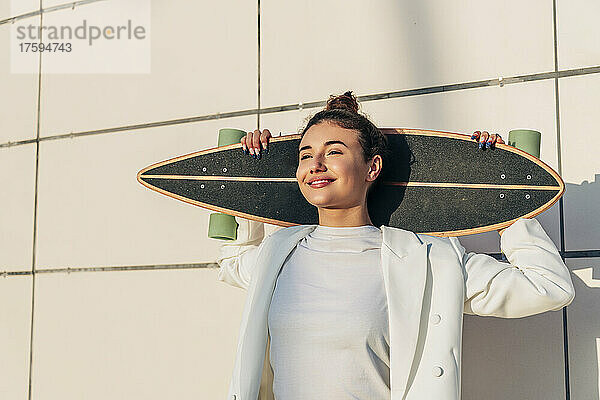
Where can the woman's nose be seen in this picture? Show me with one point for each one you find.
(317, 164)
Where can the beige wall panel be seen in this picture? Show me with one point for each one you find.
(311, 48)
(17, 174)
(52, 3)
(203, 61)
(579, 99)
(578, 33)
(584, 329)
(18, 103)
(15, 328)
(288, 122)
(93, 212)
(518, 358)
(134, 335)
(13, 8)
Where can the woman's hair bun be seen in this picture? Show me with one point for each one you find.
(346, 101)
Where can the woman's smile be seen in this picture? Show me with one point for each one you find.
(320, 182)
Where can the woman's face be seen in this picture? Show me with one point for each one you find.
(333, 153)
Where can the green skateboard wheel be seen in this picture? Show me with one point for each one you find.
(525, 139)
(223, 226)
(230, 136)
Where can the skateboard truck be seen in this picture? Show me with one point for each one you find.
(224, 226)
(527, 140)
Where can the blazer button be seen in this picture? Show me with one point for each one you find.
(438, 371)
(234, 397)
(436, 318)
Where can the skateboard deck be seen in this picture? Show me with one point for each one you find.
(436, 183)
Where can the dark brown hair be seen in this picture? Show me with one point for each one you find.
(342, 111)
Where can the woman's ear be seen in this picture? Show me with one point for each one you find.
(375, 167)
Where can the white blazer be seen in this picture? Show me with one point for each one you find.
(429, 283)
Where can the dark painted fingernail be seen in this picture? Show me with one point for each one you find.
(259, 154)
(254, 156)
(481, 145)
(245, 151)
(488, 144)
(267, 150)
(473, 136)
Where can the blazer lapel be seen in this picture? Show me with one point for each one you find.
(261, 290)
(404, 263)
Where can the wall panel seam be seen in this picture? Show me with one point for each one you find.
(593, 254)
(300, 106)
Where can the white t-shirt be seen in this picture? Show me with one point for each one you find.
(328, 318)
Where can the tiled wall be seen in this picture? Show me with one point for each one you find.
(109, 290)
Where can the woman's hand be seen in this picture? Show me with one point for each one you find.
(486, 140)
(254, 142)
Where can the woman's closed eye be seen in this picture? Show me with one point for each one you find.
(331, 152)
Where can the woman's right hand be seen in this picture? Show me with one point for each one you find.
(255, 142)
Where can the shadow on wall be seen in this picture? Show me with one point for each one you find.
(583, 314)
(579, 201)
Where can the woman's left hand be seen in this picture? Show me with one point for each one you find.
(488, 141)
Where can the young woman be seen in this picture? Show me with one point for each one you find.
(347, 310)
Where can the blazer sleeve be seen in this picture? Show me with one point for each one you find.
(534, 281)
(237, 258)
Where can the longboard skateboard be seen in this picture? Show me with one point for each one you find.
(436, 183)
